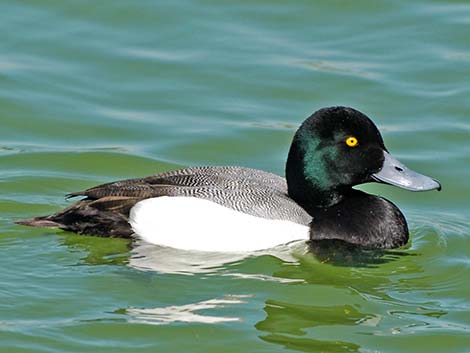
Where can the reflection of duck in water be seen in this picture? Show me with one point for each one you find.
(288, 324)
(242, 209)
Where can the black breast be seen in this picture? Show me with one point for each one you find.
(361, 219)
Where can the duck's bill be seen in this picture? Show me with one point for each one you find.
(395, 173)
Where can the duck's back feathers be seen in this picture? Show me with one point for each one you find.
(251, 191)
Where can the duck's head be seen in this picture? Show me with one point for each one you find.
(337, 148)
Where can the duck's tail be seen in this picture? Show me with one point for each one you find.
(43, 221)
(93, 217)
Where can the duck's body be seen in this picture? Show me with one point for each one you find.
(217, 208)
(238, 209)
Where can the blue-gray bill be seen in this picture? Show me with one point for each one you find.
(395, 173)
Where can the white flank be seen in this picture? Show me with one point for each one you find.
(191, 223)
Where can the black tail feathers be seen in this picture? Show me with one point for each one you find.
(39, 222)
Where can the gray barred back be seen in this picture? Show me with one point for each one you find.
(251, 191)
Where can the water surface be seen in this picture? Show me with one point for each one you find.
(94, 92)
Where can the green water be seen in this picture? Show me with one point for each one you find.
(92, 92)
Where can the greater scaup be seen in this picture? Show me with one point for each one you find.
(241, 209)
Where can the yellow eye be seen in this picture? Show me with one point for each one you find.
(352, 141)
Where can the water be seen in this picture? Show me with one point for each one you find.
(92, 92)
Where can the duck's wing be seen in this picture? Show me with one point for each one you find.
(247, 190)
(105, 208)
(186, 182)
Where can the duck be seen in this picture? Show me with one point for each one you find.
(237, 209)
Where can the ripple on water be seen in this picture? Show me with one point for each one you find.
(187, 313)
(93, 92)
